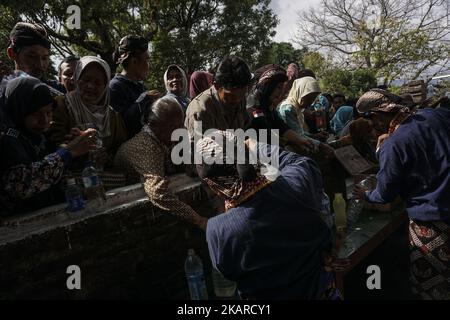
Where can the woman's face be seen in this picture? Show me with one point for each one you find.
(277, 95)
(175, 82)
(39, 121)
(308, 100)
(92, 84)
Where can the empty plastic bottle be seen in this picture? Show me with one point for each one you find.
(74, 196)
(193, 268)
(95, 194)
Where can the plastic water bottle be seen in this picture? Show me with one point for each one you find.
(223, 288)
(193, 268)
(93, 154)
(95, 194)
(356, 206)
(74, 196)
(339, 207)
(325, 211)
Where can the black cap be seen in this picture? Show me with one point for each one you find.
(127, 45)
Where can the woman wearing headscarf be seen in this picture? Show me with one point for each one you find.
(341, 118)
(129, 96)
(176, 84)
(302, 94)
(30, 167)
(199, 82)
(89, 105)
(267, 92)
(273, 249)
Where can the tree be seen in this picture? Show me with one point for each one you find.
(394, 37)
(334, 78)
(283, 53)
(193, 33)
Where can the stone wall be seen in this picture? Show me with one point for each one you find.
(130, 250)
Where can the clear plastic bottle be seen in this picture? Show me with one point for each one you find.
(95, 194)
(356, 206)
(223, 288)
(74, 196)
(193, 268)
(93, 154)
(339, 207)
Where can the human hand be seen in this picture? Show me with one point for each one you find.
(83, 143)
(73, 133)
(154, 94)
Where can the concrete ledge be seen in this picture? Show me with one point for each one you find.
(129, 250)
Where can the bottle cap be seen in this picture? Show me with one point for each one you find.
(191, 252)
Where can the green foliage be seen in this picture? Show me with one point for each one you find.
(283, 53)
(195, 34)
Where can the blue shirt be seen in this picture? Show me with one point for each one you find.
(415, 164)
(129, 98)
(272, 245)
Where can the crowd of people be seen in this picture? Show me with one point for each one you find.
(268, 235)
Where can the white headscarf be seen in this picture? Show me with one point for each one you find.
(98, 115)
(300, 88)
(183, 79)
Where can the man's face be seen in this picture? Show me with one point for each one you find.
(338, 102)
(381, 122)
(66, 75)
(231, 97)
(142, 65)
(174, 81)
(39, 121)
(33, 60)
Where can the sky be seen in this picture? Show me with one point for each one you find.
(287, 12)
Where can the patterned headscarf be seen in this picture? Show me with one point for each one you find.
(234, 182)
(380, 100)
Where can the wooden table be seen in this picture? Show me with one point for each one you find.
(371, 229)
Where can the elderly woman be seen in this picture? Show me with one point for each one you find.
(89, 105)
(414, 156)
(199, 82)
(273, 249)
(30, 168)
(268, 91)
(129, 96)
(145, 156)
(177, 85)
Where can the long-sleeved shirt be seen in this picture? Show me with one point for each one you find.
(28, 178)
(129, 98)
(415, 164)
(272, 245)
(207, 109)
(144, 156)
